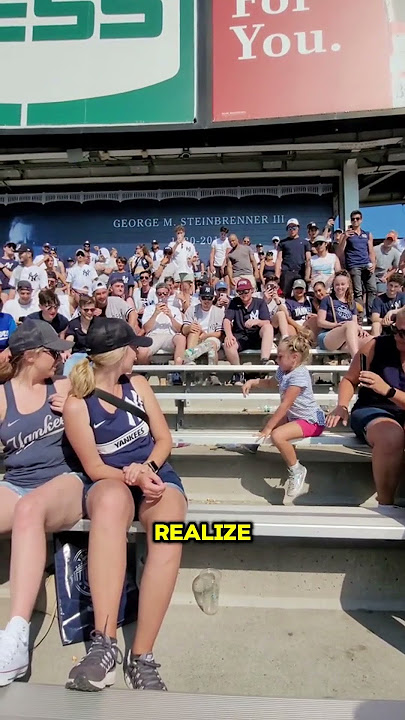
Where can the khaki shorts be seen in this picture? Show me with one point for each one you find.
(161, 341)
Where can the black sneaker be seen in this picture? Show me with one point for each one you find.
(97, 669)
(237, 379)
(141, 673)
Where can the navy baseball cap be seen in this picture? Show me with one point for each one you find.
(107, 334)
(206, 292)
(33, 334)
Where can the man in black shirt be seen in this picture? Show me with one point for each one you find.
(49, 305)
(247, 325)
(294, 258)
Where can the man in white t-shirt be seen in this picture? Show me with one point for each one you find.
(93, 257)
(183, 252)
(81, 274)
(218, 253)
(23, 304)
(33, 274)
(204, 321)
(46, 251)
(163, 324)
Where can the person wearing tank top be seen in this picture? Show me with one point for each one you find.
(378, 417)
(324, 264)
(125, 456)
(356, 250)
(42, 490)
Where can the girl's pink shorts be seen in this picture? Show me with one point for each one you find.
(310, 429)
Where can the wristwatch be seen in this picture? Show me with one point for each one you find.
(153, 466)
(391, 392)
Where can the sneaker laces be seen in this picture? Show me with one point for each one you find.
(102, 649)
(143, 673)
(293, 481)
(8, 647)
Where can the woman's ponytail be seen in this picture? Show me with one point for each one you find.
(82, 379)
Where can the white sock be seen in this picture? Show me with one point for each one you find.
(19, 625)
(295, 468)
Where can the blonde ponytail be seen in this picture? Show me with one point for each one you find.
(82, 376)
(297, 344)
(82, 379)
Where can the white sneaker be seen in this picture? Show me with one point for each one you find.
(14, 657)
(295, 482)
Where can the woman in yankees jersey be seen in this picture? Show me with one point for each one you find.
(126, 460)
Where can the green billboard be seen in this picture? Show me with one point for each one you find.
(97, 63)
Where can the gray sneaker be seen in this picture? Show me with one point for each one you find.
(295, 483)
(141, 673)
(97, 669)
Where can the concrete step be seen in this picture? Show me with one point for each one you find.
(242, 478)
(280, 653)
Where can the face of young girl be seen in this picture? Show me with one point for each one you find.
(286, 360)
(340, 285)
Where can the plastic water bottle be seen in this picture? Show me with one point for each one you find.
(211, 356)
(206, 590)
(194, 353)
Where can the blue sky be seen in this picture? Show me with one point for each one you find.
(379, 220)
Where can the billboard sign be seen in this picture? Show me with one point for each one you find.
(123, 225)
(97, 62)
(296, 58)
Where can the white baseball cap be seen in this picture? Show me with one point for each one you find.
(275, 237)
(293, 221)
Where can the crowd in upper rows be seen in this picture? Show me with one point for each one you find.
(319, 283)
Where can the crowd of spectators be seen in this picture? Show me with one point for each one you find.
(321, 282)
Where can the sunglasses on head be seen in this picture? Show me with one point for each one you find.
(397, 331)
(244, 292)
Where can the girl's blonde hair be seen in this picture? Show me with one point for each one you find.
(349, 294)
(82, 376)
(300, 344)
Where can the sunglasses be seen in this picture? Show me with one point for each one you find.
(243, 292)
(51, 307)
(397, 331)
(144, 277)
(357, 217)
(55, 354)
(293, 227)
(162, 295)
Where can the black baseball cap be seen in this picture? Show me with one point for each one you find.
(223, 229)
(312, 226)
(47, 244)
(107, 334)
(206, 292)
(86, 242)
(23, 249)
(33, 334)
(24, 285)
(11, 244)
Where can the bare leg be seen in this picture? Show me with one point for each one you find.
(281, 437)
(53, 506)
(143, 356)
(267, 336)
(161, 569)
(179, 343)
(344, 336)
(386, 438)
(8, 502)
(282, 324)
(193, 339)
(111, 509)
(232, 354)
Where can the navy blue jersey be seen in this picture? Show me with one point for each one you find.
(121, 438)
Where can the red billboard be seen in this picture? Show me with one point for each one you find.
(294, 58)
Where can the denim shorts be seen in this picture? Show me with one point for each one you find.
(363, 416)
(166, 473)
(321, 339)
(23, 491)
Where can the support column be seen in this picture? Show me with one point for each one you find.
(349, 191)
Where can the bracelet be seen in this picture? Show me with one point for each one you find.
(345, 408)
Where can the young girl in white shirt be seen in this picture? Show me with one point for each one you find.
(298, 415)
